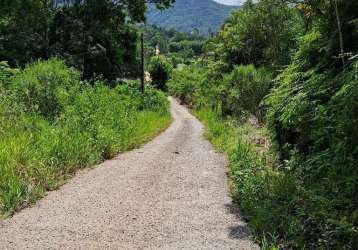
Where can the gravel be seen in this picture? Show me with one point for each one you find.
(170, 194)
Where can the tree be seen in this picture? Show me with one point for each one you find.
(160, 70)
(96, 36)
(262, 34)
(24, 27)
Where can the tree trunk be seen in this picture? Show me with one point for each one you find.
(341, 45)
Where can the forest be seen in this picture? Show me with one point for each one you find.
(276, 88)
(201, 16)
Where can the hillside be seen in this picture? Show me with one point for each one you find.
(188, 15)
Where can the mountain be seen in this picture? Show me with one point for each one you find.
(188, 15)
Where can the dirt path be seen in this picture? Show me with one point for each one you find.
(170, 194)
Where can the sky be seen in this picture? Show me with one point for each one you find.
(230, 2)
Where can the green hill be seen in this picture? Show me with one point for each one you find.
(188, 15)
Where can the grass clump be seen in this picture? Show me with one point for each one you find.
(52, 124)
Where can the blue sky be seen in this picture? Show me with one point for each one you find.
(230, 2)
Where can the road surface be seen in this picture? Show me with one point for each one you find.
(170, 194)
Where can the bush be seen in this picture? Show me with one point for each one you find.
(160, 70)
(198, 85)
(237, 93)
(244, 88)
(313, 119)
(185, 83)
(43, 87)
(6, 73)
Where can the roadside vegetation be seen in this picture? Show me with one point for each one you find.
(66, 101)
(52, 124)
(277, 88)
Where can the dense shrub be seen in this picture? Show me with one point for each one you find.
(44, 87)
(237, 93)
(199, 84)
(314, 127)
(176, 60)
(185, 83)
(244, 88)
(89, 123)
(160, 70)
(195, 46)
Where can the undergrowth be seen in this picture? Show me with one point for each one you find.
(275, 203)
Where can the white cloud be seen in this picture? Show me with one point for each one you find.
(231, 2)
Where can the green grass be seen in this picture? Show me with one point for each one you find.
(249, 166)
(37, 161)
(149, 124)
(41, 147)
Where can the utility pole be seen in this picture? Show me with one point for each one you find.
(142, 63)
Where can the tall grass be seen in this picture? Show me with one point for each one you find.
(275, 203)
(51, 124)
(253, 178)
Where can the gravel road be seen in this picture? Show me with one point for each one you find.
(170, 194)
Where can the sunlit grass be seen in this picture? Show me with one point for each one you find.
(250, 171)
(33, 162)
(51, 125)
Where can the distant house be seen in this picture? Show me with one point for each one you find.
(147, 77)
(157, 50)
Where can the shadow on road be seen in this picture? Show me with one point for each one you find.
(240, 231)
